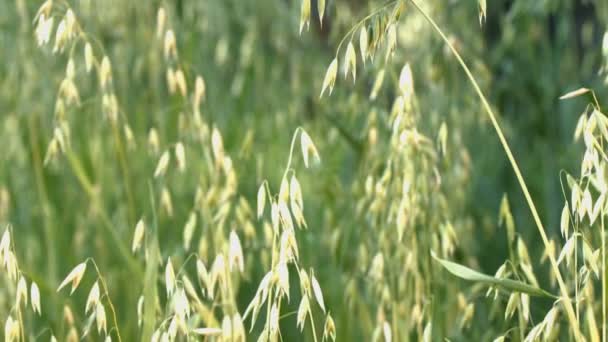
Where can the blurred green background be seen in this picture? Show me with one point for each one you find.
(263, 80)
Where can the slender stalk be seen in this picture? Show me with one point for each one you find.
(603, 277)
(567, 303)
(120, 153)
(107, 296)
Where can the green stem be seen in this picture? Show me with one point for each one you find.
(107, 296)
(567, 303)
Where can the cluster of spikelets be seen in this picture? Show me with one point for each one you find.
(188, 308)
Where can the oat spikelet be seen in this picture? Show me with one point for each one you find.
(169, 278)
(100, 318)
(363, 43)
(138, 235)
(406, 82)
(235, 252)
(304, 15)
(316, 289)
(303, 310)
(330, 77)
(74, 277)
(308, 148)
(88, 57)
(35, 297)
(350, 61)
(207, 331)
(21, 292)
(261, 201)
(180, 156)
(161, 17)
(93, 298)
(163, 163)
(170, 49)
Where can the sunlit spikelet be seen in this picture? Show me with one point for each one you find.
(303, 310)
(308, 149)
(44, 29)
(21, 292)
(235, 253)
(226, 328)
(105, 71)
(89, 58)
(180, 81)
(138, 235)
(163, 163)
(35, 297)
(406, 82)
(261, 201)
(203, 276)
(363, 43)
(180, 156)
(170, 49)
(100, 318)
(60, 37)
(45, 9)
(169, 278)
(171, 82)
(350, 61)
(5, 243)
(377, 85)
(316, 288)
(330, 77)
(304, 14)
(74, 277)
(11, 330)
(93, 298)
(153, 140)
(207, 331)
(161, 17)
(238, 329)
(199, 91)
(391, 41)
(189, 228)
(321, 9)
(129, 137)
(217, 145)
(329, 330)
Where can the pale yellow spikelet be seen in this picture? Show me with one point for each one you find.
(226, 328)
(207, 331)
(391, 41)
(386, 330)
(72, 335)
(70, 23)
(199, 91)
(171, 83)
(93, 298)
(330, 77)
(350, 61)
(304, 14)
(74, 277)
(512, 304)
(274, 322)
(285, 216)
(140, 310)
(189, 228)
(163, 163)
(5, 243)
(180, 81)
(11, 266)
(235, 253)
(11, 330)
(161, 17)
(406, 82)
(100, 318)
(316, 288)
(282, 276)
(68, 315)
(284, 191)
(308, 149)
(169, 278)
(105, 71)
(261, 201)
(321, 9)
(129, 137)
(304, 282)
(89, 58)
(329, 330)
(60, 37)
(138, 235)
(45, 9)
(44, 29)
(203, 276)
(170, 49)
(70, 69)
(217, 145)
(21, 292)
(153, 140)
(363, 43)
(35, 297)
(238, 329)
(377, 85)
(303, 310)
(180, 156)
(218, 271)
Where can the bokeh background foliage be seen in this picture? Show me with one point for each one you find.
(263, 80)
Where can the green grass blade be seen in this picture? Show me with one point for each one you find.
(507, 284)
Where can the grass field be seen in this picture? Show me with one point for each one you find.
(310, 170)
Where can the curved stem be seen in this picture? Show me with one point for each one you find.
(567, 303)
(107, 296)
